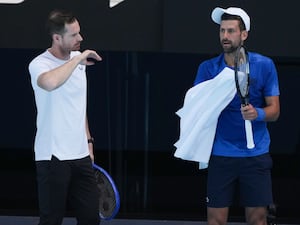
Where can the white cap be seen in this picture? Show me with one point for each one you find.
(218, 12)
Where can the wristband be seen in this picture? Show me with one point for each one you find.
(261, 114)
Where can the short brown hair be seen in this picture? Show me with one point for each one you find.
(57, 20)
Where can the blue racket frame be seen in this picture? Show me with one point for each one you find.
(116, 192)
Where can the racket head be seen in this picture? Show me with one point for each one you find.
(241, 73)
(109, 200)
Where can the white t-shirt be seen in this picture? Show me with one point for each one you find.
(61, 113)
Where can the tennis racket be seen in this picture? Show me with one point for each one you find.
(242, 81)
(109, 201)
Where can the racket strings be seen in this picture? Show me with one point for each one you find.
(107, 201)
(242, 74)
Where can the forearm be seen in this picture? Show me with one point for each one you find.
(271, 114)
(56, 77)
(271, 111)
(90, 140)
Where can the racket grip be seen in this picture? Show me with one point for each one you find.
(249, 134)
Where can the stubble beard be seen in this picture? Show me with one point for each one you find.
(76, 47)
(229, 49)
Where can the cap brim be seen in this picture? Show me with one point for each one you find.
(217, 14)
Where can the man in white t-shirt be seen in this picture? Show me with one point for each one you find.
(63, 144)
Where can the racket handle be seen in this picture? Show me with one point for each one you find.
(249, 134)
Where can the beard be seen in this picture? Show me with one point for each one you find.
(68, 47)
(229, 47)
(76, 47)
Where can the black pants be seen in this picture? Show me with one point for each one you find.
(74, 180)
(43, 174)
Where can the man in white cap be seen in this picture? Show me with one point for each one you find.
(232, 165)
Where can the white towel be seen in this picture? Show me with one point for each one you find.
(199, 115)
